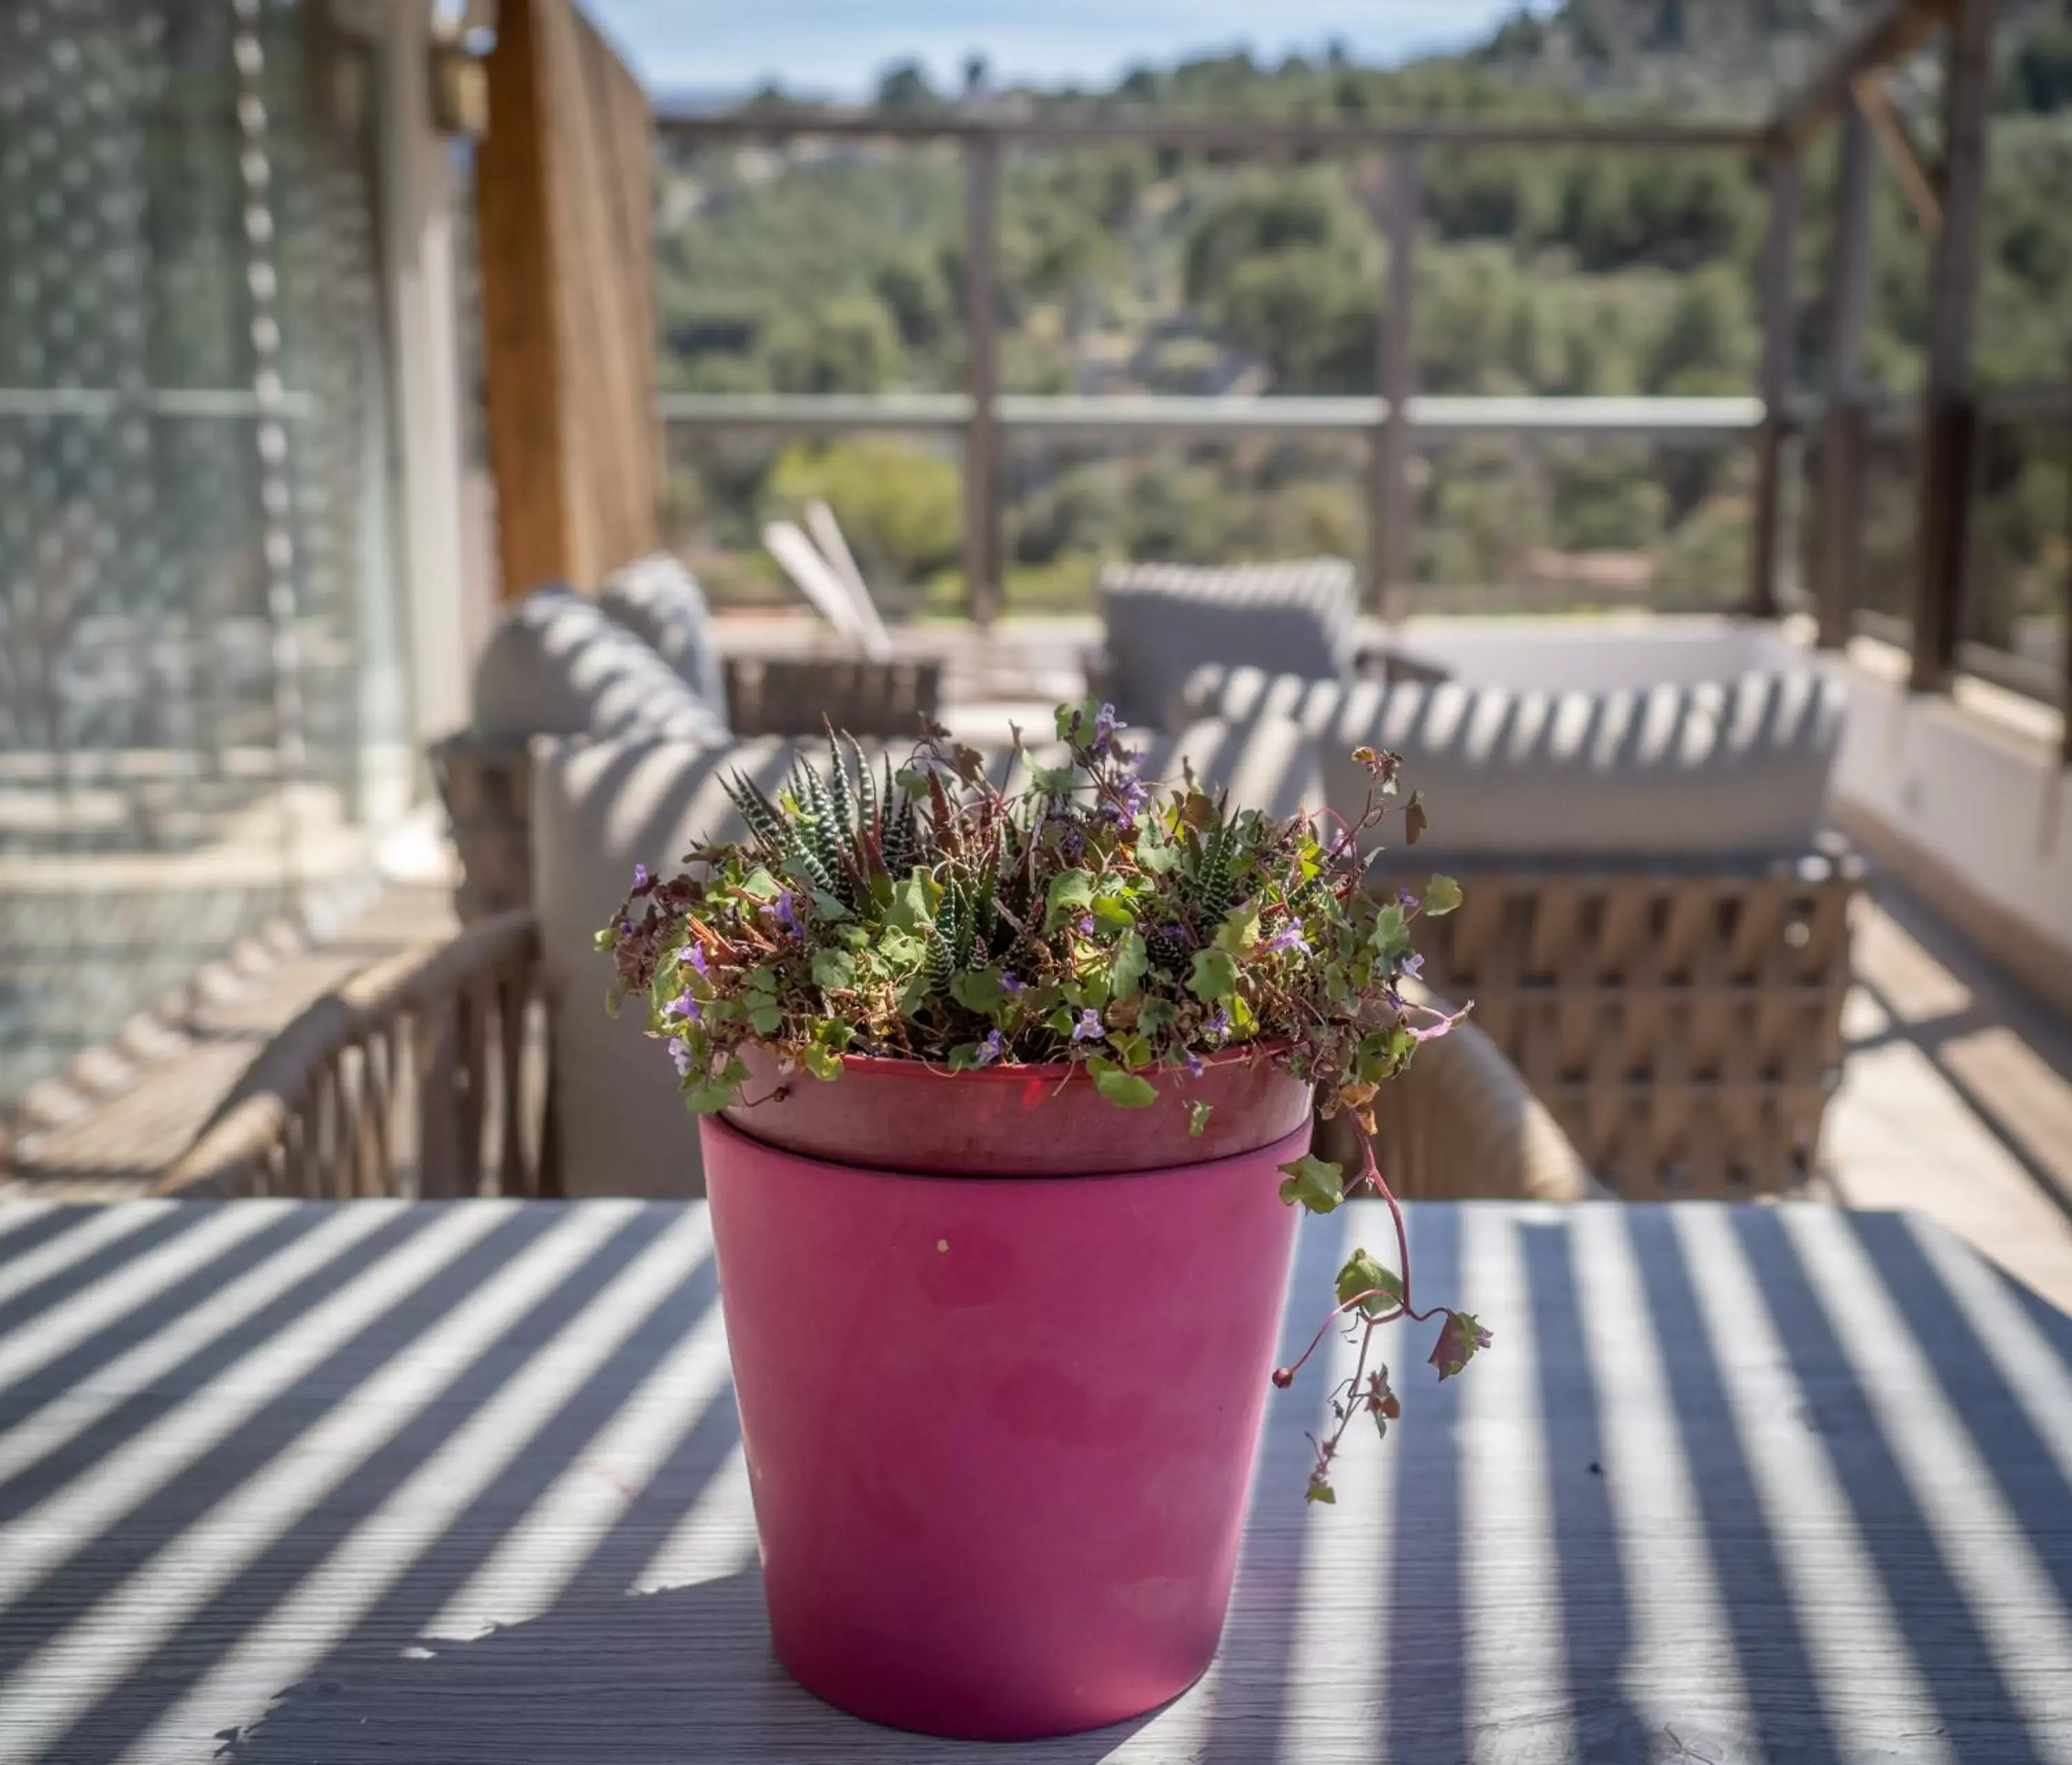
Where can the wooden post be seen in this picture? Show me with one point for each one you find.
(1949, 416)
(568, 315)
(2064, 610)
(984, 551)
(1779, 244)
(1389, 511)
(1840, 540)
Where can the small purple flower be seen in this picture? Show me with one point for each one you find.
(685, 1006)
(1084, 925)
(1289, 936)
(1106, 723)
(1194, 1065)
(1413, 965)
(786, 916)
(1406, 901)
(988, 1051)
(694, 953)
(1009, 984)
(1088, 1028)
(680, 1053)
(1219, 1024)
(642, 881)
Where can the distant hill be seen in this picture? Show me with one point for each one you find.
(1737, 57)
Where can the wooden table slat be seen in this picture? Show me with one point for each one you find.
(463, 1482)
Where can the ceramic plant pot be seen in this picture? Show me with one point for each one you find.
(1000, 1427)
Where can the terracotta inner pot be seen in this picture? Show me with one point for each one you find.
(1015, 1120)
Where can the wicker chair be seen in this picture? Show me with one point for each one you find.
(426, 1075)
(800, 696)
(1684, 1023)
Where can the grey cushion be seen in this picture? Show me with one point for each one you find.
(556, 665)
(1737, 767)
(600, 807)
(1164, 621)
(661, 603)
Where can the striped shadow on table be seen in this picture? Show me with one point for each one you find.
(462, 1483)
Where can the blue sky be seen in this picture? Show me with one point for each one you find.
(836, 47)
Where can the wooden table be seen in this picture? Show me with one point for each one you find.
(463, 1483)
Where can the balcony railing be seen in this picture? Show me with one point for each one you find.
(1774, 420)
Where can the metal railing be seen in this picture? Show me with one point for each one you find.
(1773, 419)
(1389, 418)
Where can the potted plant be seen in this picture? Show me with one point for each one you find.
(1002, 1299)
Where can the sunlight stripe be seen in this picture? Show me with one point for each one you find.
(66, 1521)
(1869, 1684)
(1517, 1665)
(540, 1556)
(95, 1307)
(363, 1567)
(118, 1635)
(716, 1537)
(1337, 1659)
(34, 1434)
(2039, 1380)
(107, 1225)
(1681, 1668)
(15, 1215)
(1980, 1541)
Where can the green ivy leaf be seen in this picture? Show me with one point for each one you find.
(1391, 931)
(1078, 718)
(1072, 893)
(1198, 1118)
(1442, 895)
(1122, 1087)
(1461, 1338)
(977, 990)
(834, 969)
(758, 884)
(1215, 977)
(1113, 910)
(827, 906)
(765, 1019)
(821, 1062)
(912, 904)
(1320, 1490)
(1362, 1274)
(606, 940)
(1239, 930)
(1314, 1183)
(1127, 969)
(1051, 781)
(1154, 855)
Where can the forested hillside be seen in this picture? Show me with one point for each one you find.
(834, 268)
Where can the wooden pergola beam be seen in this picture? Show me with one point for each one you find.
(1902, 153)
(1892, 30)
(1950, 418)
(563, 197)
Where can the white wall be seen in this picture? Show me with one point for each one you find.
(1972, 788)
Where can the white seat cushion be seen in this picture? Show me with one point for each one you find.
(1164, 621)
(661, 603)
(556, 665)
(1737, 767)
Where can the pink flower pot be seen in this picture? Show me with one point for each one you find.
(999, 1431)
(1015, 1120)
